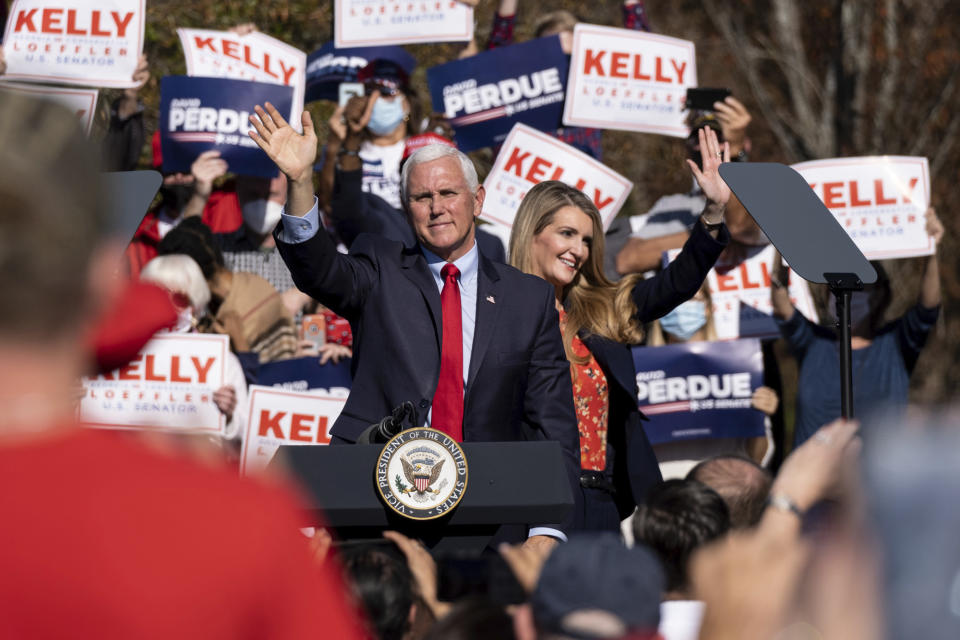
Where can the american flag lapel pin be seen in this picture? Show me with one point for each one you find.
(491, 300)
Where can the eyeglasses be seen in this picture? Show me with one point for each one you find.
(385, 88)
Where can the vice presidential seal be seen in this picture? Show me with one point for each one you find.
(421, 473)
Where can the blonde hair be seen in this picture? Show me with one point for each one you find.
(593, 303)
(655, 333)
(555, 22)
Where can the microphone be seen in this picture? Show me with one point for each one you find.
(391, 425)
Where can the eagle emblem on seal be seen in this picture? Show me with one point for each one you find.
(421, 473)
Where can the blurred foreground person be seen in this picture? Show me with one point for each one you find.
(101, 537)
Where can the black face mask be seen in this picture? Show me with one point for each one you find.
(174, 197)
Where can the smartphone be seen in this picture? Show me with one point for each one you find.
(349, 90)
(313, 327)
(702, 98)
(486, 575)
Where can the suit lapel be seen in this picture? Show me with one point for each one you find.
(616, 359)
(487, 312)
(414, 266)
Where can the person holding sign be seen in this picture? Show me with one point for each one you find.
(389, 117)
(884, 355)
(472, 343)
(692, 321)
(558, 236)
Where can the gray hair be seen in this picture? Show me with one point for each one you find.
(433, 152)
(180, 274)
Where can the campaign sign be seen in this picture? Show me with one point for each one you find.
(169, 386)
(328, 66)
(484, 95)
(699, 390)
(529, 157)
(82, 102)
(254, 56)
(740, 292)
(277, 417)
(304, 374)
(630, 80)
(362, 23)
(93, 43)
(880, 201)
(197, 114)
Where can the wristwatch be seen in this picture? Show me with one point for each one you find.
(711, 226)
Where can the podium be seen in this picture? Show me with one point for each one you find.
(510, 485)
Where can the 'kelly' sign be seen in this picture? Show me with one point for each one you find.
(363, 23)
(278, 417)
(254, 56)
(630, 80)
(529, 157)
(81, 42)
(880, 201)
(740, 292)
(80, 102)
(168, 386)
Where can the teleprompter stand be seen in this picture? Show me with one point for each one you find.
(509, 485)
(809, 238)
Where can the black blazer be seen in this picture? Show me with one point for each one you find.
(631, 463)
(518, 387)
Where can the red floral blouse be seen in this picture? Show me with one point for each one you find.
(591, 397)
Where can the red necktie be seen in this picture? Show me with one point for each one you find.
(448, 400)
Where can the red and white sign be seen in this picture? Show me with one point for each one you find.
(629, 80)
(277, 417)
(82, 102)
(529, 157)
(254, 56)
(365, 23)
(879, 200)
(93, 43)
(169, 387)
(741, 296)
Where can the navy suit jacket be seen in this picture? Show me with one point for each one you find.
(519, 385)
(631, 463)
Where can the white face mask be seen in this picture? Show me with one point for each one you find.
(185, 322)
(262, 215)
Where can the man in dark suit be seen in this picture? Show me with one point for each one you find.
(512, 379)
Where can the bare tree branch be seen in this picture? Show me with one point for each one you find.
(723, 20)
(890, 78)
(947, 143)
(786, 25)
(934, 114)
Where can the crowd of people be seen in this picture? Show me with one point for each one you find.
(374, 226)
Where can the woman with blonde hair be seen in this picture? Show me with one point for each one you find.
(558, 236)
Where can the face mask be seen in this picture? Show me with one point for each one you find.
(262, 215)
(685, 320)
(386, 115)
